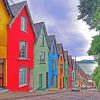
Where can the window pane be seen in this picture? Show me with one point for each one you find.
(53, 65)
(42, 56)
(23, 49)
(23, 24)
(22, 76)
(61, 69)
(42, 37)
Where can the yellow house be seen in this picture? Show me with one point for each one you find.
(4, 21)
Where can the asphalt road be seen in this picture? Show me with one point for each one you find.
(83, 95)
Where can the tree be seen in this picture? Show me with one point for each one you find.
(95, 47)
(90, 13)
(96, 76)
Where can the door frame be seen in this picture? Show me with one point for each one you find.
(2, 77)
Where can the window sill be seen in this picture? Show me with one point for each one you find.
(24, 31)
(23, 85)
(42, 63)
(23, 59)
(42, 46)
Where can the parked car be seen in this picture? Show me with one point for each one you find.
(76, 89)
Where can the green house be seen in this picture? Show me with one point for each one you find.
(41, 58)
(66, 69)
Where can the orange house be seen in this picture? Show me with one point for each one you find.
(60, 80)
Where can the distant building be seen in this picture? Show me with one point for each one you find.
(88, 65)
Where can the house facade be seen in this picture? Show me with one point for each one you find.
(20, 51)
(70, 72)
(52, 63)
(66, 66)
(41, 57)
(4, 20)
(61, 62)
(73, 72)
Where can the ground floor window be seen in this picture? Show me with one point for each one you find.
(22, 76)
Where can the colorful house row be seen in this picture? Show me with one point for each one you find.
(29, 58)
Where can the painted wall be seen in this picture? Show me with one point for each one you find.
(40, 68)
(4, 20)
(60, 76)
(66, 65)
(70, 76)
(51, 73)
(15, 35)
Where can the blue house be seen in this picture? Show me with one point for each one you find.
(52, 62)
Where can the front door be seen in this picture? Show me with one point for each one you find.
(47, 80)
(56, 82)
(31, 78)
(60, 83)
(40, 80)
(1, 74)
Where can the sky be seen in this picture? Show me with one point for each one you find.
(60, 17)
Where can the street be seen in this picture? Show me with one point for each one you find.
(83, 95)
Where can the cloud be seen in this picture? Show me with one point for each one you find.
(60, 17)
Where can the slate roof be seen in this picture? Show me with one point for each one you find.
(59, 47)
(66, 55)
(51, 38)
(8, 7)
(70, 58)
(17, 7)
(38, 27)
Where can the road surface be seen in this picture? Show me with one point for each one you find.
(83, 95)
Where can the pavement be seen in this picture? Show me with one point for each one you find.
(7, 95)
(52, 95)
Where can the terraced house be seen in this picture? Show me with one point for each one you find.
(4, 20)
(52, 63)
(70, 72)
(41, 57)
(66, 66)
(61, 61)
(20, 48)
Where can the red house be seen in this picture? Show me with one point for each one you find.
(70, 72)
(20, 52)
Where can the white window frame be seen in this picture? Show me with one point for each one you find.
(21, 53)
(23, 84)
(23, 24)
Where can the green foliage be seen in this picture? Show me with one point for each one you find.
(95, 46)
(96, 76)
(99, 85)
(90, 13)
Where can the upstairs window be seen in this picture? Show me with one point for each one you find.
(42, 57)
(42, 38)
(61, 69)
(53, 65)
(54, 50)
(23, 24)
(23, 49)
